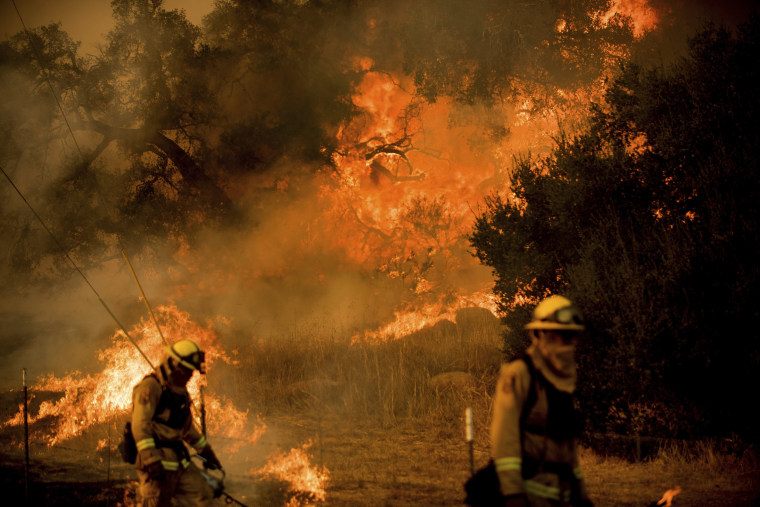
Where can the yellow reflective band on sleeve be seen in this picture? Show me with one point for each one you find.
(578, 473)
(171, 466)
(145, 443)
(201, 443)
(185, 463)
(537, 489)
(508, 463)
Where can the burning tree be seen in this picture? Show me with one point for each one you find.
(290, 161)
(199, 123)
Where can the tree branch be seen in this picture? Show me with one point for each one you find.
(141, 140)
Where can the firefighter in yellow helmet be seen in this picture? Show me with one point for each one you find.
(162, 424)
(535, 424)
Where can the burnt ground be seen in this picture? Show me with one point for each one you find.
(45, 491)
(368, 464)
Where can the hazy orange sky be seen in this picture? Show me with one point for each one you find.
(85, 20)
(88, 20)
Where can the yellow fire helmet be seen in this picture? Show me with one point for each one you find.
(556, 313)
(188, 354)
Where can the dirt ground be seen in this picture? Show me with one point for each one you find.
(366, 463)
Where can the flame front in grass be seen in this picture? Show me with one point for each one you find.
(94, 399)
(410, 321)
(307, 483)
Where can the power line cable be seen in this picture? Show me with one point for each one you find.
(74, 264)
(47, 77)
(46, 74)
(145, 298)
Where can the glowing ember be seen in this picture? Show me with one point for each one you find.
(667, 498)
(295, 468)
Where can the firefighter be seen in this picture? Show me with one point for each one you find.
(534, 422)
(161, 424)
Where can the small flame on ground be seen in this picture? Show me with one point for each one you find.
(296, 469)
(667, 498)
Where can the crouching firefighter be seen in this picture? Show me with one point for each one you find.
(535, 424)
(161, 425)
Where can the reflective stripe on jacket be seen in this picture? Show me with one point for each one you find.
(155, 440)
(529, 461)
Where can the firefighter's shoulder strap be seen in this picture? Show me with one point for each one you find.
(532, 398)
(178, 405)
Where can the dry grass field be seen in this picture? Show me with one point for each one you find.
(386, 423)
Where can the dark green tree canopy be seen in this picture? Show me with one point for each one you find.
(647, 219)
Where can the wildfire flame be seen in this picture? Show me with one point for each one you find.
(410, 321)
(667, 498)
(395, 189)
(642, 14)
(88, 400)
(406, 191)
(405, 176)
(95, 399)
(295, 468)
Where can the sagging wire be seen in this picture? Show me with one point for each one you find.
(74, 264)
(46, 74)
(144, 297)
(123, 252)
(198, 413)
(166, 344)
(47, 78)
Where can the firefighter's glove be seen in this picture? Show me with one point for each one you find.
(212, 462)
(155, 470)
(515, 501)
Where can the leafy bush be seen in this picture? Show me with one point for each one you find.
(648, 220)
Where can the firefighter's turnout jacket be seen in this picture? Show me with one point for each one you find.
(533, 433)
(161, 422)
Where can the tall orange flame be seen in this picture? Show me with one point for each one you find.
(643, 15)
(88, 400)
